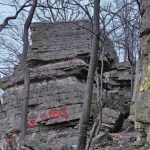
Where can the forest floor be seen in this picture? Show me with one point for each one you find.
(121, 141)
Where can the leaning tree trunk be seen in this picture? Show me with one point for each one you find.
(142, 89)
(90, 79)
(26, 70)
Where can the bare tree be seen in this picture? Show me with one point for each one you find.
(125, 36)
(7, 19)
(63, 10)
(26, 69)
(66, 10)
(11, 37)
(90, 79)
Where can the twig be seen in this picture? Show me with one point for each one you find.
(7, 19)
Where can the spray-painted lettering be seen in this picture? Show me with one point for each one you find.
(32, 121)
(61, 112)
(54, 113)
(146, 81)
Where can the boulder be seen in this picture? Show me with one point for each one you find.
(111, 119)
(35, 144)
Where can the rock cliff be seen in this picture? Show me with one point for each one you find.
(58, 61)
(141, 98)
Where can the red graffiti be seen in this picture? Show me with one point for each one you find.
(31, 121)
(11, 142)
(64, 113)
(43, 117)
(58, 113)
(54, 113)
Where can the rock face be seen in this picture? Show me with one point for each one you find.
(111, 119)
(142, 84)
(52, 42)
(117, 85)
(33, 143)
(58, 60)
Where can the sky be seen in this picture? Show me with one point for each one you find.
(6, 11)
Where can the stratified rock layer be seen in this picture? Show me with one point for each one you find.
(141, 98)
(58, 61)
(117, 85)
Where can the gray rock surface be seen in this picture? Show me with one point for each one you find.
(58, 61)
(111, 119)
(34, 144)
(141, 97)
(117, 85)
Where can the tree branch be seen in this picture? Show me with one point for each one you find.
(7, 19)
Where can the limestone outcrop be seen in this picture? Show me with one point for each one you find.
(117, 85)
(141, 97)
(58, 61)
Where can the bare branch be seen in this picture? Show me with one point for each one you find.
(5, 23)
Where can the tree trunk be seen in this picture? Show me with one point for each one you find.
(90, 79)
(26, 70)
